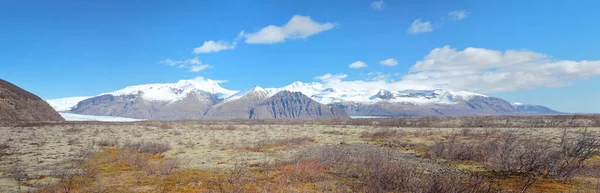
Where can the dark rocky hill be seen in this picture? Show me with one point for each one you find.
(17, 104)
(296, 105)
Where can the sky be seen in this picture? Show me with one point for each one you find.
(532, 52)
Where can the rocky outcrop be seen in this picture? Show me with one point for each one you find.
(294, 105)
(17, 104)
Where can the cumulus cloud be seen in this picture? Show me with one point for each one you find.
(458, 15)
(389, 62)
(358, 64)
(419, 26)
(212, 46)
(477, 70)
(193, 64)
(488, 71)
(297, 27)
(377, 5)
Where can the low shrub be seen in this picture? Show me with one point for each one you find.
(382, 134)
(148, 147)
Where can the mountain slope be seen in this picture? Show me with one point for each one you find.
(534, 109)
(286, 104)
(237, 106)
(17, 104)
(193, 106)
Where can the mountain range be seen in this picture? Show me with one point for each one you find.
(206, 99)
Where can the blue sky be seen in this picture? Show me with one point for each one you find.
(81, 48)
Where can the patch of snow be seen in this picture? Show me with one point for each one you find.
(65, 104)
(516, 104)
(465, 95)
(240, 94)
(79, 117)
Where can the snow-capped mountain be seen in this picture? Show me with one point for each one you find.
(206, 99)
(254, 91)
(176, 91)
(239, 105)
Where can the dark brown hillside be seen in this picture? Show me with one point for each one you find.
(17, 104)
(294, 105)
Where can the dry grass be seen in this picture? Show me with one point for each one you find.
(296, 156)
(147, 147)
(277, 144)
(112, 169)
(382, 134)
(335, 133)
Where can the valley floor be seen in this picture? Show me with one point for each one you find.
(154, 156)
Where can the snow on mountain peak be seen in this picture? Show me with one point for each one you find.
(199, 83)
(307, 89)
(258, 89)
(170, 92)
(384, 94)
(438, 96)
(465, 95)
(254, 90)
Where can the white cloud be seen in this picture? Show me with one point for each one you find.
(331, 77)
(194, 64)
(199, 80)
(458, 15)
(377, 5)
(374, 83)
(198, 68)
(419, 26)
(488, 71)
(169, 62)
(297, 27)
(477, 70)
(212, 46)
(358, 64)
(389, 62)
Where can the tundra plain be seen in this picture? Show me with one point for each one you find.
(462, 154)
